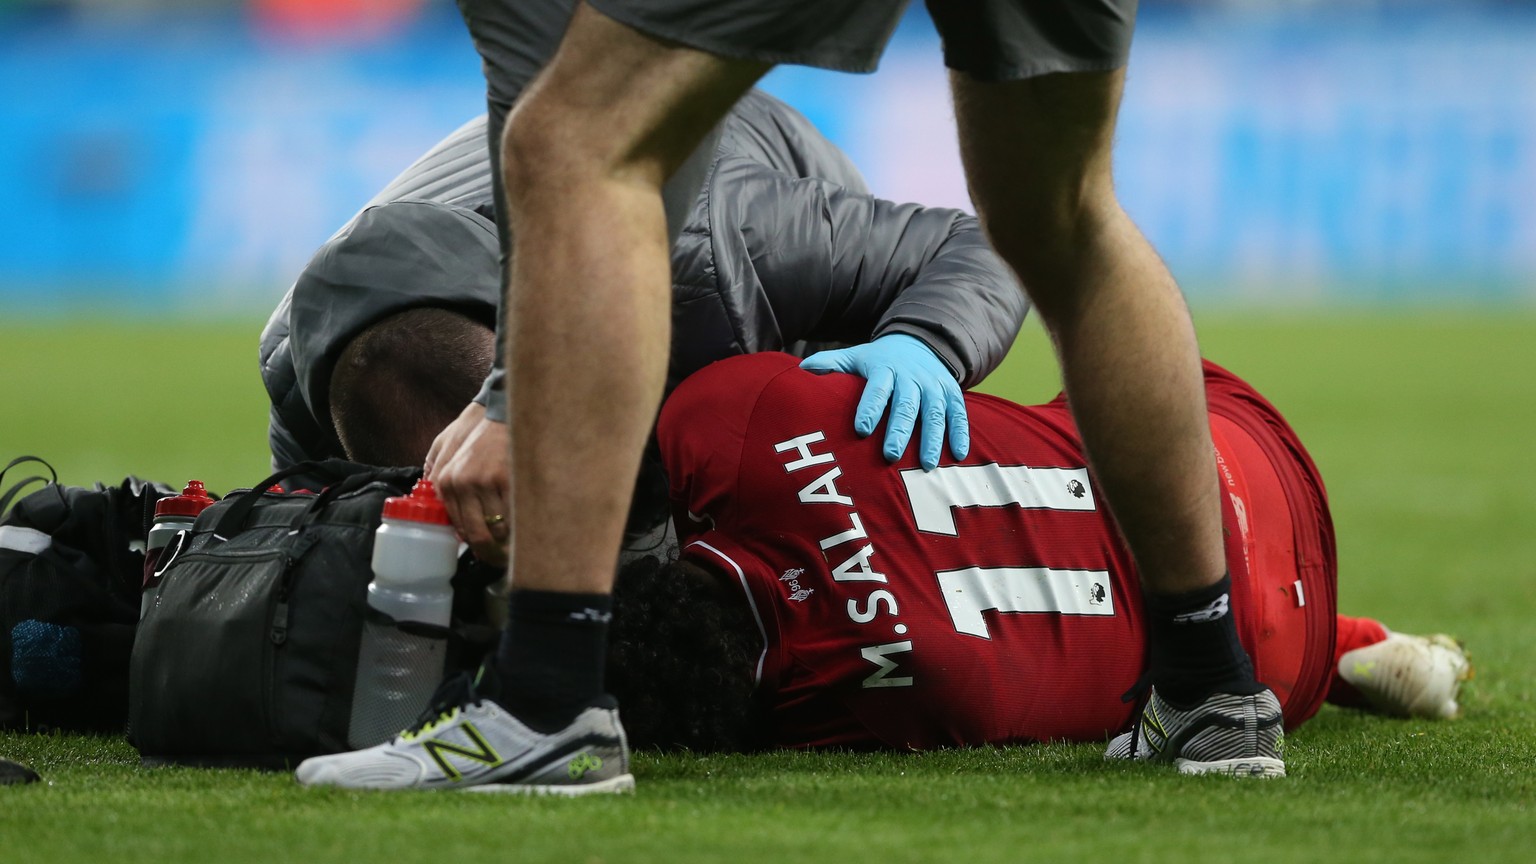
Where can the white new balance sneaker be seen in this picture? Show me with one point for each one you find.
(467, 741)
(1243, 736)
(1409, 676)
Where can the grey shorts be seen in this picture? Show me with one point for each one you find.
(515, 39)
(990, 40)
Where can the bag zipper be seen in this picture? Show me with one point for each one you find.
(296, 544)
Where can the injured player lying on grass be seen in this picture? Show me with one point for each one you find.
(826, 597)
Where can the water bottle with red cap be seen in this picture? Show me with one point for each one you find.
(173, 515)
(410, 603)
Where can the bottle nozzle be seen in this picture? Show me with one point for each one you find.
(422, 505)
(194, 498)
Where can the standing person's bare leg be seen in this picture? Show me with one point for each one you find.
(586, 152)
(1037, 155)
(1038, 158)
(470, 461)
(585, 155)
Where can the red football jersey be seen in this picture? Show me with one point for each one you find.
(986, 601)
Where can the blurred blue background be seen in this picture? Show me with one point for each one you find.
(191, 154)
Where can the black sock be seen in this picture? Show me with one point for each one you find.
(1194, 646)
(551, 658)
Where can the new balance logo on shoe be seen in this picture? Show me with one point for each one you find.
(482, 753)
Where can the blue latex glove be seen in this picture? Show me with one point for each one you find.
(907, 375)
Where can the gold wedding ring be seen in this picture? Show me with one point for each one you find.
(494, 519)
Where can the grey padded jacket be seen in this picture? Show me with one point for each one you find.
(785, 250)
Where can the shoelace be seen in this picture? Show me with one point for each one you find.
(456, 692)
(1139, 693)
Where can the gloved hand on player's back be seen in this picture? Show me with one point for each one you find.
(907, 375)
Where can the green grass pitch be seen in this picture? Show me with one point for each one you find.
(1423, 423)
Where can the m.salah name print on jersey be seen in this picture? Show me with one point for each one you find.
(852, 549)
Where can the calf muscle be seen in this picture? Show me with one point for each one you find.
(1037, 153)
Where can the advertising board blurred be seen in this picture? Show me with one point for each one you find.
(1274, 152)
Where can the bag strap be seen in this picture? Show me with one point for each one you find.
(234, 518)
(332, 492)
(11, 493)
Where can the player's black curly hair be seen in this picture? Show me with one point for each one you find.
(682, 647)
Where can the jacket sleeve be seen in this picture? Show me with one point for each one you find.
(292, 433)
(835, 265)
(286, 449)
(493, 393)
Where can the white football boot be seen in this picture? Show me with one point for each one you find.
(1409, 676)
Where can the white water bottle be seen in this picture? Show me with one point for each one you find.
(415, 554)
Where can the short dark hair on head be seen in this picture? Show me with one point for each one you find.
(401, 381)
(682, 648)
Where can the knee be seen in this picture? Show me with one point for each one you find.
(1051, 233)
(540, 145)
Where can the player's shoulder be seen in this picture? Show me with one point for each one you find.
(706, 422)
(751, 395)
(739, 380)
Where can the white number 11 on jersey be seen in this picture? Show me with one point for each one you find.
(971, 591)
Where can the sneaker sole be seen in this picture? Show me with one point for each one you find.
(619, 785)
(1256, 766)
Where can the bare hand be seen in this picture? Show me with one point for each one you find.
(470, 464)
